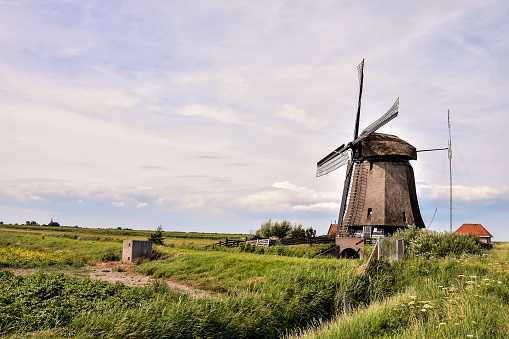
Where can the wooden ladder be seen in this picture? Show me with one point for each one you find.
(357, 198)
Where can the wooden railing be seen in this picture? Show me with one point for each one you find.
(226, 243)
(312, 240)
(262, 242)
(273, 242)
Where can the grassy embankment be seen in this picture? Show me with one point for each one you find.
(118, 235)
(430, 295)
(253, 295)
(446, 297)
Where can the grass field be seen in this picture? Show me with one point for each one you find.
(250, 295)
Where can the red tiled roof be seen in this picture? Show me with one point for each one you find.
(332, 229)
(475, 229)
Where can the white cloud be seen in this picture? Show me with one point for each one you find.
(281, 196)
(463, 193)
(97, 114)
(298, 115)
(285, 196)
(318, 207)
(222, 115)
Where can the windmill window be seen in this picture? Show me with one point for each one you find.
(404, 217)
(370, 211)
(370, 166)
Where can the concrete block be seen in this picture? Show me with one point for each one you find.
(134, 249)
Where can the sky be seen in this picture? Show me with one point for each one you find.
(210, 116)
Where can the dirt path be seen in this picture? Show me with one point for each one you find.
(104, 272)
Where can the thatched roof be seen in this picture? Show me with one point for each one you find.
(386, 145)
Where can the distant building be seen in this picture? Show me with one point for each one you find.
(332, 230)
(53, 223)
(475, 229)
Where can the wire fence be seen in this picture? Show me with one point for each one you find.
(385, 248)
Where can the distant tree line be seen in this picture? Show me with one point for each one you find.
(34, 223)
(283, 229)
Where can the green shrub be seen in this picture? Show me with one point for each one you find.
(297, 232)
(110, 255)
(428, 243)
(157, 236)
(11, 256)
(45, 301)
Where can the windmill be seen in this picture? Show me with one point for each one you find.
(379, 193)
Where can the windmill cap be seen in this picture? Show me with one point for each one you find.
(386, 145)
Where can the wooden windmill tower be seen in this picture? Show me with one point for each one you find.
(379, 194)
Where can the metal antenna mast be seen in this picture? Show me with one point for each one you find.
(450, 173)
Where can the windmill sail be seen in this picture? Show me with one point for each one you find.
(332, 163)
(388, 116)
(360, 71)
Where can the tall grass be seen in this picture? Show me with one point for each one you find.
(223, 271)
(453, 294)
(463, 296)
(301, 294)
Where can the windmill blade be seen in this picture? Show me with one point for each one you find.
(388, 116)
(332, 162)
(333, 154)
(344, 198)
(360, 71)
